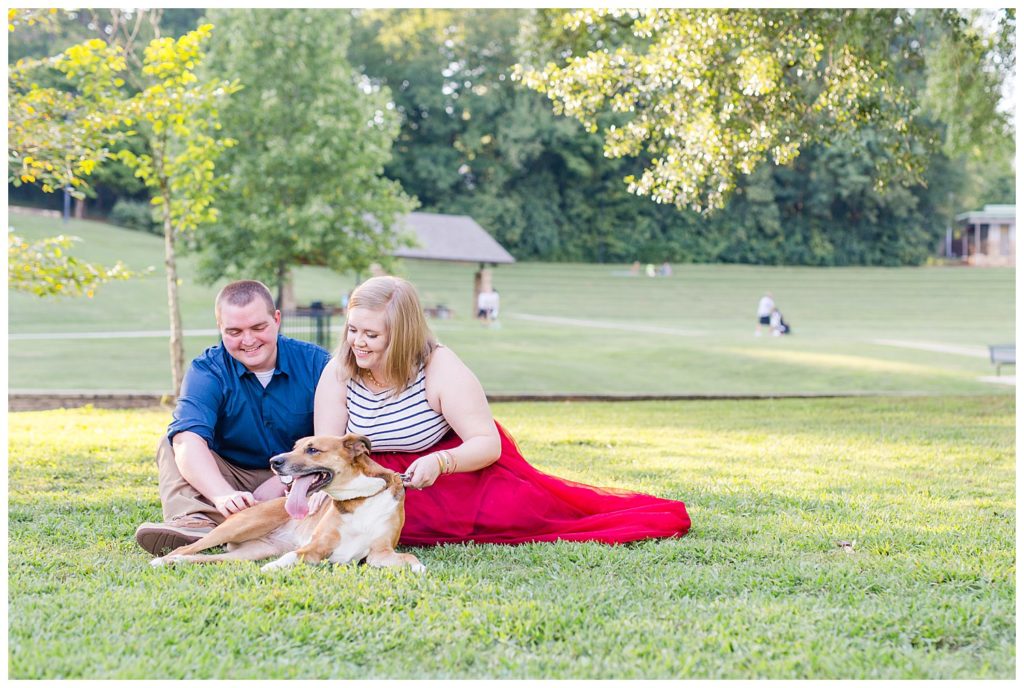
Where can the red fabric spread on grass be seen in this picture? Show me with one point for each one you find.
(510, 502)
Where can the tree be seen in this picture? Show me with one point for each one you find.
(55, 140)
(37, 34)
(473, 142)
(705, 96)
(305, 183)
(162, 104)
(176, 116)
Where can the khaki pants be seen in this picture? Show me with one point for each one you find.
(178, 497)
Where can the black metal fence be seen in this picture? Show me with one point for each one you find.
(312, 324)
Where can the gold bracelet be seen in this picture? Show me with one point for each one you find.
(440, 463)
(455, 463)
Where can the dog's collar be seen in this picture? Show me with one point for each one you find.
(386, 487)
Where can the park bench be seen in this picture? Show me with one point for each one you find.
(1002, 354)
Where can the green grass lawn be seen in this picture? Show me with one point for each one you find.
(921, 488)
(571, 328)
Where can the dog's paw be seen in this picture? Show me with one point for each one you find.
(418, 568)
(285, 561)
(158, 562)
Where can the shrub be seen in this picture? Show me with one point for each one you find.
(134, 215)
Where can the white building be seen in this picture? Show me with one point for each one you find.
(984, 237)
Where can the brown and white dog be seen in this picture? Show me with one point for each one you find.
(362, 520)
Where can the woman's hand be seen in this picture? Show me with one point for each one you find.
(316, 500)
(423, 472)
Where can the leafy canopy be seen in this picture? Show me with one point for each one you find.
(706, 95)
(177, 115)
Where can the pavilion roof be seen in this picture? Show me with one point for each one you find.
(450, 237)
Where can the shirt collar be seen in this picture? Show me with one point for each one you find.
(281, 367)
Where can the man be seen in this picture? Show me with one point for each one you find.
(242, 402)
(764, 312)
(487, 304)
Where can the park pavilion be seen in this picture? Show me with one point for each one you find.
(453, 238)
(984, 237)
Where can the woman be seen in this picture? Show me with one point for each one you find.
(427, 416)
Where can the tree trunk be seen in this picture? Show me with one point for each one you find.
(285, 289)
(170, 263)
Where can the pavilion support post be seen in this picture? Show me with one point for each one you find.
(482, 281)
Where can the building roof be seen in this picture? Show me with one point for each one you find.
(449, 237)
(991, 213)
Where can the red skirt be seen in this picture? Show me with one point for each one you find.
(510, 502)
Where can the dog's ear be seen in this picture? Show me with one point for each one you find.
(357, 444)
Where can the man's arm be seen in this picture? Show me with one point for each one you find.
(199, 468)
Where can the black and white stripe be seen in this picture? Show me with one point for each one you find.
(405, 423)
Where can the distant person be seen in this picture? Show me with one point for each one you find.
(778, 325)
(649, 270)
(764, 312)
(487, 305)
(344, 302)
(635, 268)
(241, 402)
(665, 270)
(427, 416)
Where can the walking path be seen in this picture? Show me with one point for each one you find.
(145, 334)
(121, 334)
(975, 351)
(605, 325)
(132, 334)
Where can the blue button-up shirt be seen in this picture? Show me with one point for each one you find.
(224, 403)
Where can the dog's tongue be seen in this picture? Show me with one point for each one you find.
(297, 505)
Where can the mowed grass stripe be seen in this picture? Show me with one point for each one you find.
(837, 312)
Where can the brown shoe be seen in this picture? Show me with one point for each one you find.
(160, 538)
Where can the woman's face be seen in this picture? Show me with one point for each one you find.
(367, 336)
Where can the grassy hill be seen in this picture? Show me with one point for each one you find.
(572, 327)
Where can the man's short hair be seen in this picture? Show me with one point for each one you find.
(242, 293)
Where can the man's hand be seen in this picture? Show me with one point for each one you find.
(233, 502)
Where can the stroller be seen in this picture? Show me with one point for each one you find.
(779, 325)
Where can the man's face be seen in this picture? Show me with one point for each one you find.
(250, 334)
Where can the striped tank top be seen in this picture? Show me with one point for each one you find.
(405, 423)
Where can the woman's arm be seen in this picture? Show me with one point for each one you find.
(330, 412)
(454, 391)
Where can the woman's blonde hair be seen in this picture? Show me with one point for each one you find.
(410, 340)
